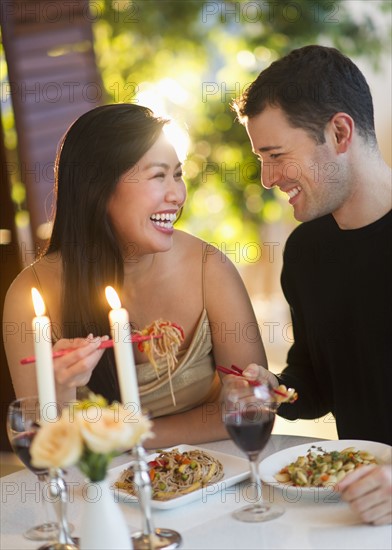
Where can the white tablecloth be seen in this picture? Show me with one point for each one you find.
(306, 524)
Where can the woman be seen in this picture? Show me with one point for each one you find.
(119, 189)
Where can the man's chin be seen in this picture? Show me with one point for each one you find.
(306, 216)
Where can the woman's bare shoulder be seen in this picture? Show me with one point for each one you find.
(18, 305)
(182, 238)
(195, 244)
(209, 253)
(25, 280)
(44, 272)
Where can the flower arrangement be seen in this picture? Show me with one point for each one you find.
(89, 433)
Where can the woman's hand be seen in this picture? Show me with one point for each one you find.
(74, 369)
(368, 491)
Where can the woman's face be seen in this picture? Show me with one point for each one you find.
(147, 200)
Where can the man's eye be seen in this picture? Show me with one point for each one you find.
(275, 155)
(159, 175)
(178, 175)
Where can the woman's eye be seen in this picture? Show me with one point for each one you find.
(275, 155)
(178, 175)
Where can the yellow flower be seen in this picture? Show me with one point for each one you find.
(141, 429)
(114, 429)
(89, 433)
(57, 445)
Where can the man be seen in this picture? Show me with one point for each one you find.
(309, 117)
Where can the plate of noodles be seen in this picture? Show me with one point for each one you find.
(316, 467)
(180, 475)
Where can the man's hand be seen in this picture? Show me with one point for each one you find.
(368, 491)
(257, 372)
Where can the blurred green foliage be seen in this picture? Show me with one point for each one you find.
(189, 59)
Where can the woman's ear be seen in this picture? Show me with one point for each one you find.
(342, 127)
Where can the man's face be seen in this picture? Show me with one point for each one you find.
(312, 175)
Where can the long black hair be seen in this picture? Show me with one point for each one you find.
(96, 150)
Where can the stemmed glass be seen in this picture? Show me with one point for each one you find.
(249, 416)
(149, 538)
(22, 424)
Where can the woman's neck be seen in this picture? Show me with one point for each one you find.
(138, 268)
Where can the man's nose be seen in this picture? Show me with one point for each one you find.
(269, 174)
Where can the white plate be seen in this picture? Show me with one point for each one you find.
(271, 465)
(235, 470)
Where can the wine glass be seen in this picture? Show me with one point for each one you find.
(249, 416)
(23, 418)
(149, 538)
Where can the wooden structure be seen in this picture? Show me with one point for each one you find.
(52, 79)
(9, 266)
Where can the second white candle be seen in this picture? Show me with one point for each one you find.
(123, 352)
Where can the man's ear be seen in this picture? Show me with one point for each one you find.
(341, 127)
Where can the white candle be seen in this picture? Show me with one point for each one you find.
(43, 357)
(123, 352)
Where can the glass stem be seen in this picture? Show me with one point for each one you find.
(58, 490)
(256, 481)
(48, 524)
(142, 479)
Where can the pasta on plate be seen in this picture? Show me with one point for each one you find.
(319, 468)
(174, 473)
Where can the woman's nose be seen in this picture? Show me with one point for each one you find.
(176, 192)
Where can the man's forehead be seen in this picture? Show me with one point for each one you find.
(265, 132)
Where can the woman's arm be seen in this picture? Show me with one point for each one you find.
(198, 425)
(235, 332)
(72, 370)
(236, 340)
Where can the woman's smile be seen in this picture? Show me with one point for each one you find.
(145, 206)
(163, 221)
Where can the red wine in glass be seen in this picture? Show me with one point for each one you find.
(249, 416)
(22, 424)
(251, 430)
(21, 447)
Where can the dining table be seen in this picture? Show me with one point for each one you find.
(309, 522)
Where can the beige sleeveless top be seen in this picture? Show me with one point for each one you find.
(194, 380)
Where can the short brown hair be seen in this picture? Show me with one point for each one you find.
(310, 85)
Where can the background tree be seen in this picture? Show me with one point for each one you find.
(189, 59)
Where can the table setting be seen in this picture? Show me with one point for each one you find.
(319, 522)
(88, 462)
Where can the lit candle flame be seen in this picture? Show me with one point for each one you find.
(112, 297)
(38, 303)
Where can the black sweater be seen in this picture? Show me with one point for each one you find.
(338, 285)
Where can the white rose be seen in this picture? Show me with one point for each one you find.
(141, 426)
(112, 430)
(57, 445)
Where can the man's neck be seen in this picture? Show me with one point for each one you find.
(371, 196)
